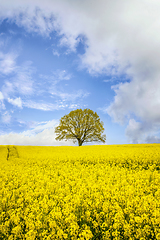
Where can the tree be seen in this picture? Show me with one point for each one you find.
(82, 126)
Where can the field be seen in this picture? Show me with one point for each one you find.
(88, 192)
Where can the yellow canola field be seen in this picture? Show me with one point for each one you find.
(88, 192)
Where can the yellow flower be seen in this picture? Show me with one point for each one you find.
(71, 192)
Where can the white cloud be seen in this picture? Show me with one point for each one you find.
(45, 138)
(70, 96)
(49, 106)
(153, 139)
(141, 132)
(37, 127)
(138, 99)
(135, 131)
(140, 96)
(21, 82)
(16, 102)
(40, 105)
(42, 135)
(1, 96)
(52, 86)
(7, 89)
(120, 37)
(56, 77)
(6, 117)
(2, 106)
(74, 106)
(50, 82)
(56, 53)
(7, 63)
(62, 75)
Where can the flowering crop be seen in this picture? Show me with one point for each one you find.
(88, 192)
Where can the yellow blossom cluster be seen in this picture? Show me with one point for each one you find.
(88, 192)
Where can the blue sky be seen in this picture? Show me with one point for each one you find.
(57, 56)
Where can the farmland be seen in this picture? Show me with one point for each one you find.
(88, 192)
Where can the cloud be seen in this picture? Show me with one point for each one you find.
(40, 105)
(15, 78)
(70, 96)
(23, 80)
(7, 63)
(135, 131)
(52, 86)
(56, 77)
(109, 28)
(51, 81)
(121, 37)
(41, 135)
(142, 132)
(40, 126)
(45, 138)
(55, 52)
(6, 117)
(20, 82)
(140, 96)
(2, 106)
(1, 96)
(153, 139)
(49, 106)
(16, 102)
(137, 103)
(8, 89)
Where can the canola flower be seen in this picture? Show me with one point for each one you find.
(88, 192)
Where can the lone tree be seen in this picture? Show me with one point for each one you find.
(82, 126)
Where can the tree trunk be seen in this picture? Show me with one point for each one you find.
(80, 143)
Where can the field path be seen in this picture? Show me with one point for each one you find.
(12, 152)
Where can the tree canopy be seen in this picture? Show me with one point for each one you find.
(82, 126)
